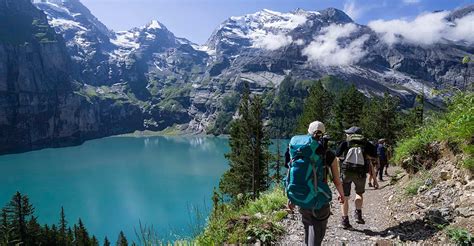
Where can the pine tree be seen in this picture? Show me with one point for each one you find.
(347, 112)
(70, 236)
(317, 106)
(249, 157)
(389, 117)
(94, 241)
(34, 232)
(54, 235)
(122, 240)
(81, 234)
(106, 242)
(7, 230)
(19, 210)
(237, 179)
(369, 119)
(63, 228)
(259, 144)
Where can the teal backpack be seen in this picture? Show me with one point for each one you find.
(306, 184)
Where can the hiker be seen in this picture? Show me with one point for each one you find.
(373, 172)
(382, 158)
(389, 156)
(308, 161)
(373, 175)
(355, 152)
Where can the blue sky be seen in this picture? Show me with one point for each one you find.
(196, 19)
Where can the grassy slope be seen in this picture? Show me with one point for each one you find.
(456, 127)
(247, 223)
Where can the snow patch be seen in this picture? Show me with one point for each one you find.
(154, 24)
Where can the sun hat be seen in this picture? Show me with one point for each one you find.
(316, 126)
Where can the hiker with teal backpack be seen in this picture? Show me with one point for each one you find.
(308, 161)
(355, 153)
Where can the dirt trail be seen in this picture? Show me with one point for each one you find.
(377, 229)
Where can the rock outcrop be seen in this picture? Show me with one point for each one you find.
(39, 106)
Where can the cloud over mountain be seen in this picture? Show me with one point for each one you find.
(331, 49)
(426, 29)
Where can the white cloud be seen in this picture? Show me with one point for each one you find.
(411, 1)
(351, 8)
(464, 29)
(327, 50)
(426, 29)
(272, 41)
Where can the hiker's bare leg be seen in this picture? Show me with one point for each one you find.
(345, 206)
(358, 201)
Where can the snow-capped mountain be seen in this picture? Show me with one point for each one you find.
(258, 30)
(142, 65)
(264, 47)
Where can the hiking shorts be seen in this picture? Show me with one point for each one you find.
(315, 224)
(358, 180)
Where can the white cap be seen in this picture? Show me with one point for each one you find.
(316, 126)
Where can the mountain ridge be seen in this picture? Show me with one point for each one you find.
(146, 78)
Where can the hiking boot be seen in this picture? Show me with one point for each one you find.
(345, 222)
(358, 217)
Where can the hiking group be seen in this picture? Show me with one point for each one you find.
(310, 162)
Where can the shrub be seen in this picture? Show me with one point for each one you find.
(460, 236)
(254, 220)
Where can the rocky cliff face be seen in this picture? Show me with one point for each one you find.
(65, 77)
(38, 105)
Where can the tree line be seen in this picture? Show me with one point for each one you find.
(289, 111)
(20, 226)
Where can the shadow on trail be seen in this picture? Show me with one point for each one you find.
(413, 230)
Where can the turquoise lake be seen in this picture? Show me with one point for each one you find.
(113, 183)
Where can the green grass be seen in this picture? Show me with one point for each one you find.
(456, 127)
(416, 182)
(412, 188)
(460, 236)
(255, 220)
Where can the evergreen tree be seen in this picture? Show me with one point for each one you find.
(286, 107)
(7, 230)
(34, 232)
(106, 242)
(81, 234)
(249, 157)
(317, 106)
(389, 117)
(70, 236)
(371, 117)
(54, 235)
(259, 144)
(63, 239)
(347, 112)
(380, 118)
(19, 210)
(94, 241)
(237, 179)
(122, 240)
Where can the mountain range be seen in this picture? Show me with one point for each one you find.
(66, 78)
